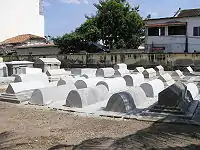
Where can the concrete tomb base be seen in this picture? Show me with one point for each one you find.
(134, 79)
(105, 72)
(45, 96)
(153, 88)
(114, 85)
(84, 97)
(126, 101)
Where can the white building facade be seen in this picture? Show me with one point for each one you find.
(21, 17)
(173, 35)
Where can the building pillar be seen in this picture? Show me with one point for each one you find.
(166, 31)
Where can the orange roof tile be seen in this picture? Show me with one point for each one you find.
(21, 38)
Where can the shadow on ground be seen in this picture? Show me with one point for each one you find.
(160, 136)
(7, 142)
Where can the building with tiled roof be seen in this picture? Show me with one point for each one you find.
(177, 34)
(24, 40)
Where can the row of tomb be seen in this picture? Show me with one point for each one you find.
(114, 89)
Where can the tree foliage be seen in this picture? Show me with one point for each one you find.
(116, 23)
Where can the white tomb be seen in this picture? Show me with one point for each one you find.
(149, 73)
(28, 70)
(159, 70)
(139, 69)
(127, 101)
(47, 63)
(153, 88)
(121, 66)
(193, 89)
(114, 85)
(3, 70)
(32, 77)
(85, 83)
(87, 96)
(56, 72)
(105, 72)
(121, 72)
(167, 79)
(178, 74)
(15, 67)
(134, 79)
(188, 70)
(84, 71)
(15, 88)
(66, 79)
(47, 95)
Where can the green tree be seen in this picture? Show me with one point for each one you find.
(69, 43)
(89, 30)
(118, 21)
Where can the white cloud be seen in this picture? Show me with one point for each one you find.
(74, 1)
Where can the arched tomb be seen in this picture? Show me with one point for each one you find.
(149, 73)
(121, 72)
(193, 89)
(134, 79)
(18, 87)
(85, 83)
(32, 77)
(178, 74)
(56, 72)
(159, 70)
(66, 79)
(167, 79)
(153, 88)
(121, 66)
(105, 72)
(87, 96)
(139, 69)
(126, 101)
(47, 95)
(114, 85)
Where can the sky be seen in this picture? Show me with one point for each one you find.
(63, 16)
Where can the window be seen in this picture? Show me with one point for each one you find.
(177, 30)
(196, 31)
(156, 31)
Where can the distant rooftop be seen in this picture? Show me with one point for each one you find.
(189, 13)
(182, 14)
(21, 39)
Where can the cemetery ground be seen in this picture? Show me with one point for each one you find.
(29, 127)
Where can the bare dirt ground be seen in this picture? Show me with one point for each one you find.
(41, 129)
